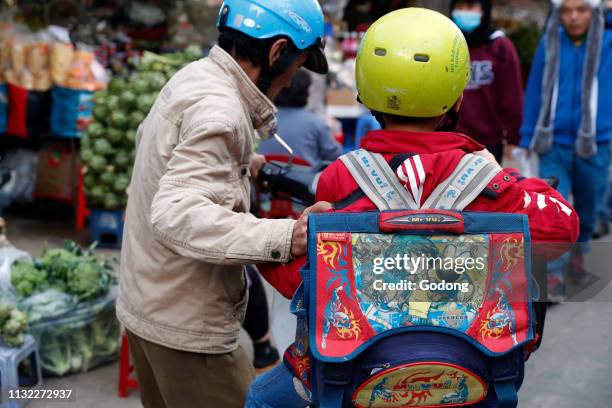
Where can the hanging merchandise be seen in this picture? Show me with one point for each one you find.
(26, 71)
(28, 112)
(72, 105)
(71, 111)
(58, 166)
(3, 107)
(62, 55)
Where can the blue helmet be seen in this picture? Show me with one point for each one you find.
(300, 20)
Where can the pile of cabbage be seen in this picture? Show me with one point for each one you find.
(68, 296)
(108, 149)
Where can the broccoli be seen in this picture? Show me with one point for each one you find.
(26, 278)
(16, 340)
(16, 323)
(5, 312)
(12, 325)
(57, 262)
(87, 279)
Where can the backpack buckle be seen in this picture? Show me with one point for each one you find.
(337, 374)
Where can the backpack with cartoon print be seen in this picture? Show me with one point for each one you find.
(415, 306)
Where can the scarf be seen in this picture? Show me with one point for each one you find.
(586, 144)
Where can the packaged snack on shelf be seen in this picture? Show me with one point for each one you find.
(38, 62)
(62, 55)
(85, 72)
(71, 111)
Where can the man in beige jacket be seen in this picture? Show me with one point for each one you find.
(188, 232)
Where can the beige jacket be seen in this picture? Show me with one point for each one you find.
(187, 229)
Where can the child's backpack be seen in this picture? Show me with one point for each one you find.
(416, 307)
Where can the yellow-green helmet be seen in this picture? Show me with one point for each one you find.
(412, 62)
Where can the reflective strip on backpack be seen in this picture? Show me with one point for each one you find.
(377, 180)
(471, 176)
(380, 184)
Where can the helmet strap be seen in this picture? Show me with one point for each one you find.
(449, 121)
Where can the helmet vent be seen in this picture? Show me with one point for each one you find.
(421, 57)
(381, 52)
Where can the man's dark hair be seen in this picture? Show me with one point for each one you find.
(296, 96)
(243, 47)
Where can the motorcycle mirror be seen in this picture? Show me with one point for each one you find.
(286, 147)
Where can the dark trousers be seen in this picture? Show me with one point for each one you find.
(497, 151)
(171, 378)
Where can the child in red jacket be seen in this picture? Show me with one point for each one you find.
(417, 105)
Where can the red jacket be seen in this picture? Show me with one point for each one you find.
(551, 218)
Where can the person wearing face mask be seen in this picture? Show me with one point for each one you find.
(188, 233)
(567, 118)
(493, 108)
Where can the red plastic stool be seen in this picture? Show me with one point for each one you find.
(126, 380)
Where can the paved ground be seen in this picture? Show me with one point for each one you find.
(572, 369)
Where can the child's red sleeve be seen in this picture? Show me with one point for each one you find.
(285, 278)
(553, 223)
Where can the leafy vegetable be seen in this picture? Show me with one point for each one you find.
(72, 269)
(26, 278)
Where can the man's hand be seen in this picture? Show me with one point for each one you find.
(487, 155)
(299, 238)
(257, 160)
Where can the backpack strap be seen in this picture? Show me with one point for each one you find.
(470, 178)
(505, 372)
(376, 179)
(336, 377)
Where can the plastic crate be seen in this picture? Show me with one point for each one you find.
(106, 227)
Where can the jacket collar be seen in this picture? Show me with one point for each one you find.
(394, 142)
(261, 110)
